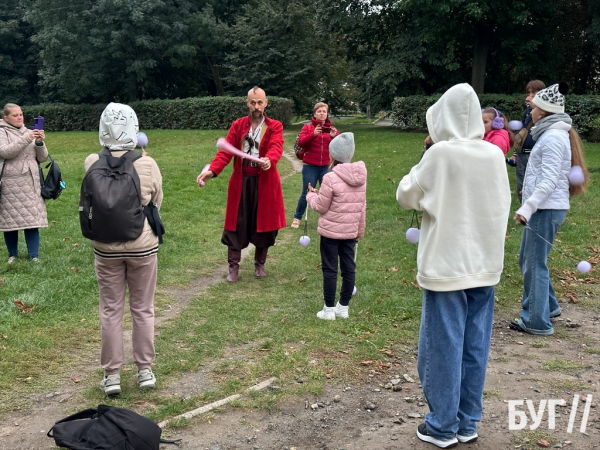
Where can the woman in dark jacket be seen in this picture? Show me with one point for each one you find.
(314, 139)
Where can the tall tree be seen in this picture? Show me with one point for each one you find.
(18, 64)
(281, 46)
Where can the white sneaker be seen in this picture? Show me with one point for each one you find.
(341, 311)
(11, 259)
(111, 384)
(467, 438)
(327, 313)
(146, 379)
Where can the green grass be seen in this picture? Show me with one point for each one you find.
(245, 332)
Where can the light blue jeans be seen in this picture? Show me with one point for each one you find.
(539, 300)
(454, 344)
(310, 174)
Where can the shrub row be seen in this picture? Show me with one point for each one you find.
(190, 113)
(408, 113)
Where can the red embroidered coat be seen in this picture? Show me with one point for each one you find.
(271, 212)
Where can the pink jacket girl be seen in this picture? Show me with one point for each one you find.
(496, 129)
(342, 204)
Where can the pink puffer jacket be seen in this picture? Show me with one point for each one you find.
(342, 202)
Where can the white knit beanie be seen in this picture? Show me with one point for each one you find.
(341, 148)
(552, 99)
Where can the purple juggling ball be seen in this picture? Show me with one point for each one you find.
(304, 241)
(515, 125)
(142, 139)
(412, 235)
(584, 266)
(576, 176)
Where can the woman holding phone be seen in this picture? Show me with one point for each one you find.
(21, 204)
(314, 139)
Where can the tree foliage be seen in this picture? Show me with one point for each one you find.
(338, 51)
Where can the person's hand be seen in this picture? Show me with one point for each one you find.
(519, 219)
(318, 129)
(312, 189)
(266, 163)
(39, 135)
(334, 132)
(204, 177)
(32, 134)
(144, 153)
(428, 140)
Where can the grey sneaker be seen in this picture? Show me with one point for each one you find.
(35, 260)
(11, 259)
(146, 379)
(111, 384)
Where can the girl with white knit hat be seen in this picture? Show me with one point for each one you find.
(546, 192)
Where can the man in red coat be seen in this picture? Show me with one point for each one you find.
(255, 210)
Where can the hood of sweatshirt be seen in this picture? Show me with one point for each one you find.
(456, 115)
(118, 127)
(353, 174)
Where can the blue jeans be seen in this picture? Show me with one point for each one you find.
(454, 344)
(539, 300)
(310, 174)
(32, 238)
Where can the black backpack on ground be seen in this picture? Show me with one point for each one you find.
(52, 183)
(110, 205)
(107, 428)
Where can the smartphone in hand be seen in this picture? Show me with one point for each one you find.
(38, 123)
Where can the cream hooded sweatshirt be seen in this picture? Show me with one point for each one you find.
(461, 185)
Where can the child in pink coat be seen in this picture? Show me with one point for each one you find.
(342, 203)
(496, 129)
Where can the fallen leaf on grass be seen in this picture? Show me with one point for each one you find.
(76, 244)
(385, 295)
(1, 281)
(302, 279)
(76, 269)
(415, 285)
(66, 239)
(76, 379)
(3, 336)
(283, 319)
(571, 297)
(394, 269)
(366, 363)
(23, 308)
(387, 351)
(543, 443)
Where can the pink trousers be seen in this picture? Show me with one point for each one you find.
(114, 276)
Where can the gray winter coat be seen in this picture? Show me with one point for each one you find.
(21, 202)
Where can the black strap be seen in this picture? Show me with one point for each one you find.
(154, 220)
(177, 442)
(129, 155)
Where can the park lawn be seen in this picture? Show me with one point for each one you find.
(270, 325)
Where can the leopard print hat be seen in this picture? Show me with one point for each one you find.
(552, 99)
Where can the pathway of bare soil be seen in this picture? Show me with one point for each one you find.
(382, 408)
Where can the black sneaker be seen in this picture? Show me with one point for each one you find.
(440, 442)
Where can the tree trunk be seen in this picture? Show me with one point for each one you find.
(480, 52)
(216, 76)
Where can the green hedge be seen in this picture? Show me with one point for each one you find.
(191, 113)
(408, 113)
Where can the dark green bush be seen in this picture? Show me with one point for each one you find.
(408, 113)
(190, 113)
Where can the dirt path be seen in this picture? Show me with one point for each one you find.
(368, 414)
